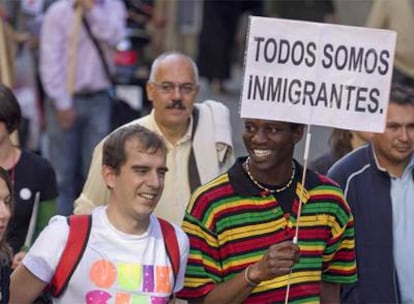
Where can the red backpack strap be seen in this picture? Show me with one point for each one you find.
(79, 230)
(171, 244)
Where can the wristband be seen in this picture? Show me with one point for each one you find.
(246, 277)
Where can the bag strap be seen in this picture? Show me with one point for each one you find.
(79, 230)
(193, 174)
(99, 49)
(171, 245)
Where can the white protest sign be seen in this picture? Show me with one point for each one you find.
(314, 73)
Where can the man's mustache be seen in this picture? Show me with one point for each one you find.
(176, 104)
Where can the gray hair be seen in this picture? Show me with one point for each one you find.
(160, 58)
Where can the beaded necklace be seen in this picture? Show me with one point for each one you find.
(246, 165)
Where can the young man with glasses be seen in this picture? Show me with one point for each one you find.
(197, 135)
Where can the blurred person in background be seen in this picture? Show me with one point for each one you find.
(27, 18)
(77, 117)
(306, 10)
(6, 210)
(32, 177)
(217, 38)
(397, 15)
(340, 142)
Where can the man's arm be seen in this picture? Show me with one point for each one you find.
(25, 287)
(330, 293)
(94, 192)
(277, 261)
(47, 209)
(377, 17)
(52, 68)
(234, 291)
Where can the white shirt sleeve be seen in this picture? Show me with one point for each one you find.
(184, 247)
(44, 255)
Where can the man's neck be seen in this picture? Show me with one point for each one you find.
(395, 169)
(126, 224)
(173, 133)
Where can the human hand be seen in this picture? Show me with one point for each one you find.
(86, 4)
(22, 37)
(277, 261)
(66, 118)
(17, 259)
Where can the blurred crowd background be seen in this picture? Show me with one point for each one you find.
(212, 32)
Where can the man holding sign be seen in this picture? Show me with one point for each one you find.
(241, 226)
(378, 183)
(259, 234)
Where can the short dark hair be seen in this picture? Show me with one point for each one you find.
(401, 94)
(10, 112)
(295, 126)
(340, 142)
(114, 154)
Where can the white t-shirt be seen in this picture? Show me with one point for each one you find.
(115, 267)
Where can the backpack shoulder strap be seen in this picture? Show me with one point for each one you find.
(79, 230)
(171, 245)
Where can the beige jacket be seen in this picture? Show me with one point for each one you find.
(397, 15)
(213, 151)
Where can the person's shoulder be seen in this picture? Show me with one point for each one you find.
(213, 185)
(316, 179)
(35, 161)
(214, 106)
(182, 238)
(58, 7)
(323, 189)
(211, 103)
(322, 163)
(205, 195)
(58, 226)
(181, 235)
(143, 121)
(352, 161)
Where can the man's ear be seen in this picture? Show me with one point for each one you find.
(108, 175)
(197, 90)
(298, 134)
(150, 91)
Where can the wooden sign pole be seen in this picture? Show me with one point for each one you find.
(73, 49)
(5, 72)
(5, 75)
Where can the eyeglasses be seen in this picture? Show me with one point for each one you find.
(170, 87)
